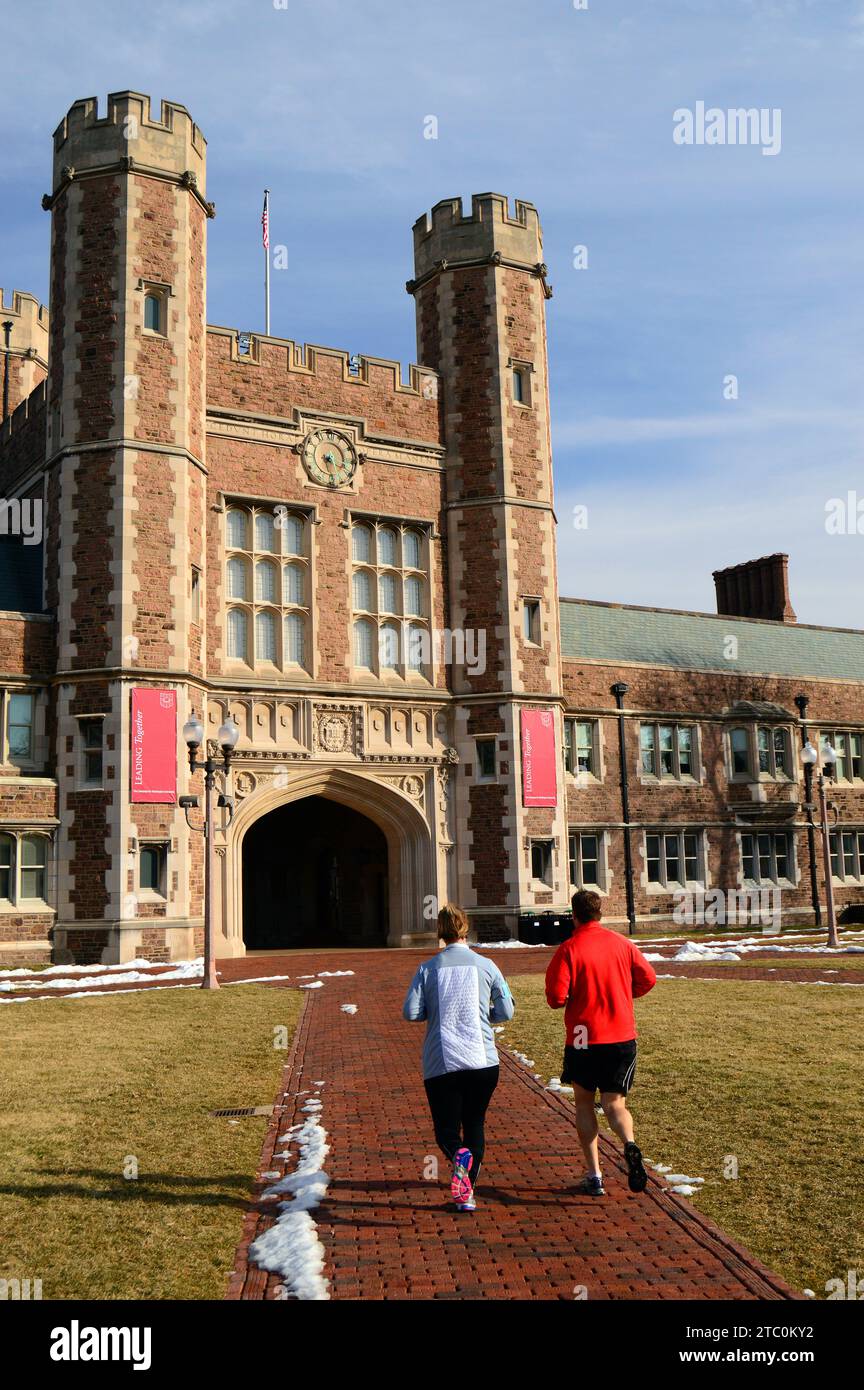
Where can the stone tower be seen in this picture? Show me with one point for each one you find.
(28, 345)
(125, 412)
(480, 289)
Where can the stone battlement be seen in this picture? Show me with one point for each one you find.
(84, 140)
(448, 235)
(29, 321)
(309, 359)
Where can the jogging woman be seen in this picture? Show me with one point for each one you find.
(459, 995)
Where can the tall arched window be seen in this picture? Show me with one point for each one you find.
(389, 580)
(362, 545)
(387, 546)
(388, 647)
(387, 602)
(363, 643)
(417, 655)
(238, 586)
(411, 550)
(238, 529)
(292, 535)
(265, 531)
(294, 639)
(413, 596)
(265, 582)
(265, 635)
(292, 591)
(273, 590)
(238, 635)
(363, 591)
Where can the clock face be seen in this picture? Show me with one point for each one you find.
(329, 458)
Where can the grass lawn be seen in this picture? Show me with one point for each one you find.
(764, 1072)
(87, 1082)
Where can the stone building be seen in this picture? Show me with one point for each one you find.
(359, 567)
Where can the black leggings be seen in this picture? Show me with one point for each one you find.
(458, 1101)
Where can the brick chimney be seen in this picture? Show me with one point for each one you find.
(756, 589)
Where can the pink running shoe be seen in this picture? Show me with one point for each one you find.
(460, 1183)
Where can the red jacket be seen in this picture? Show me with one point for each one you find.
(597, 974)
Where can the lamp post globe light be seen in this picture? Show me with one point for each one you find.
(822, 762)
(193, 737)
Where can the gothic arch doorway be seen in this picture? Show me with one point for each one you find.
(406, 861)
(314, 874)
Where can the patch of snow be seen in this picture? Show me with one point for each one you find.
(291, 1246)
(331, 973)
(316, 984)
(509, 946)
(693, 950)
(184, 970)
(526, 1061)
(348, 1008)
(556, 1084)
(257, 979)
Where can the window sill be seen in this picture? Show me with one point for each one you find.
(664, 888)
(751, 886)
(649, 779)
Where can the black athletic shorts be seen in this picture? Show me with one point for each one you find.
(601, 1066)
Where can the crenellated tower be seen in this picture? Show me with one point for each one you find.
(27, 346)
(480, 288)
(126, 412)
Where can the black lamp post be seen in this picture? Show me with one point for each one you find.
(193, 737)
(619, 690)
(824, 762)
(802, 701)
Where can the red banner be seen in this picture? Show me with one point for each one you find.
(154, 745)
(539, 757)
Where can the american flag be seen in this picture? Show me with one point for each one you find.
(265, 220)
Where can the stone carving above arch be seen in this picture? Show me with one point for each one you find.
(338, 729)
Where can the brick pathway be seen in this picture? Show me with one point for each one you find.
(386, 1230)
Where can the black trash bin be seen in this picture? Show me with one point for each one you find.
(544, 928)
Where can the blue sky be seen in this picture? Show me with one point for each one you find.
(702, 261)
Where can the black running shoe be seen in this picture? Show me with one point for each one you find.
(637, 1178)
(590, 1186)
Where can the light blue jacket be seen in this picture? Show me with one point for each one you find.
(459, 995)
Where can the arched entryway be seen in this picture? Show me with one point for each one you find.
(398, 912)
(314, 874)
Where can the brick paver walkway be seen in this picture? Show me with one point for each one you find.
(386, 1230)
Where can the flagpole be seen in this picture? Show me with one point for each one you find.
(267, 263)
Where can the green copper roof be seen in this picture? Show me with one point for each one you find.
(698, 642)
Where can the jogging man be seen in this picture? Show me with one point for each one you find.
(595, 976)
